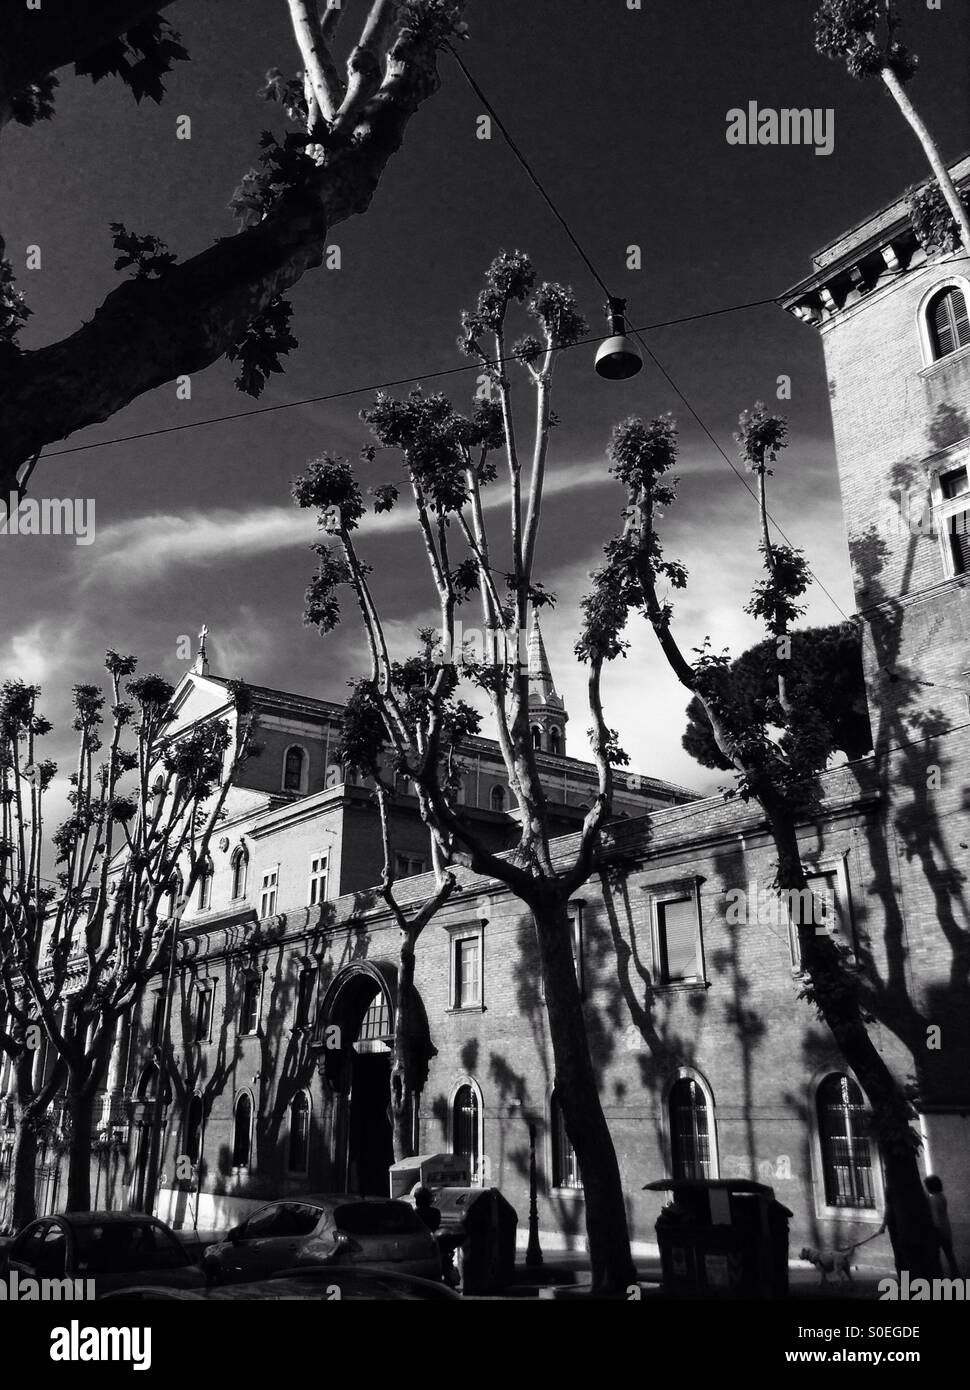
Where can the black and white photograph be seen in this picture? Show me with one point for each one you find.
(485, 680)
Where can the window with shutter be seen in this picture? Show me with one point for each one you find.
(958, 528)
(677, 940)
(950, 322)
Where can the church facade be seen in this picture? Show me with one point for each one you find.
(709, 1062)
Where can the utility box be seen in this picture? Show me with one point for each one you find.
(433, 1170)
(480, 1225)
(722, 1238)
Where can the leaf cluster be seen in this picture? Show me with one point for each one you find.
(863, 34)
(140, 58)
(14, 311)
(933, 222)
(281, 169)
(266, 339)
(147, 254)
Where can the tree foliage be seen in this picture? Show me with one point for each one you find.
(347, 114)
(864, 34)
(826, 670)
(77, 952)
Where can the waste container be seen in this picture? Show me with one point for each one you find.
(482, 1224)
(431, 1170)
(722, 1238)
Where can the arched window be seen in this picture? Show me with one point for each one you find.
(375, 1026)
(948, 321)
(299, 1133)
(465, 1126)
(554, 740)
(497, 799)
(240, 872)
(242, 1131)
(193, 1129)
(690, 1131)
(294, 766)
(204, 899)
(536, 736)
(565, 1164)
(847, 1150)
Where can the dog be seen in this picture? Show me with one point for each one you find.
(830, 1262)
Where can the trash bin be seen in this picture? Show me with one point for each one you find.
(431, 1170)
(482, 1225)
(722, 1238)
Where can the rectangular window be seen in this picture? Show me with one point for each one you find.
(158, 1018)
(203, 1014)
(304, 996)
(576, 934)
(829, 909)
(467, 970)
(958, 538)
(951, 517)
(565, 1164)
(955, 483)
(249, 1008)
(678, 954)
(267, 894)
(407, 865)
(318, 879)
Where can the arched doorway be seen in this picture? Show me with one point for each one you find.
(143, 1118)
(359, 1072)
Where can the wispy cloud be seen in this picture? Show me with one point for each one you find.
(141, 549)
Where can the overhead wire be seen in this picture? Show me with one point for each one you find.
(635, 332)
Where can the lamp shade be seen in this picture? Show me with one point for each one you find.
(617, 358)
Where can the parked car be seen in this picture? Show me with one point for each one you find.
(115, 1249)
(326, 1230)
(322, 1283)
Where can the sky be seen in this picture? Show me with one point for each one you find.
(623, 114)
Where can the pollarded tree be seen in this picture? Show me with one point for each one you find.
(865, 35)
(777, 748)
(448, 464)
(170, 317)
(364, 746)
(76, 958)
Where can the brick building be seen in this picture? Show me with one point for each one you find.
(709, 1062)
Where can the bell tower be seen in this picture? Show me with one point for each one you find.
(894, 318)
(547, 709)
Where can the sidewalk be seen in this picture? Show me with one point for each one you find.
(566, 1274)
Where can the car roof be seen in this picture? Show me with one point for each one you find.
(104, 1218)
(328, 1199)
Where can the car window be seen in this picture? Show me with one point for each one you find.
(26, 1248)
(51, 1255)
(377, 1218)
(118, 1247)
(298, 1219)
(264, 1223)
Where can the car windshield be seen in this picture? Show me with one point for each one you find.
(377, 1219)
(120, 1246)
